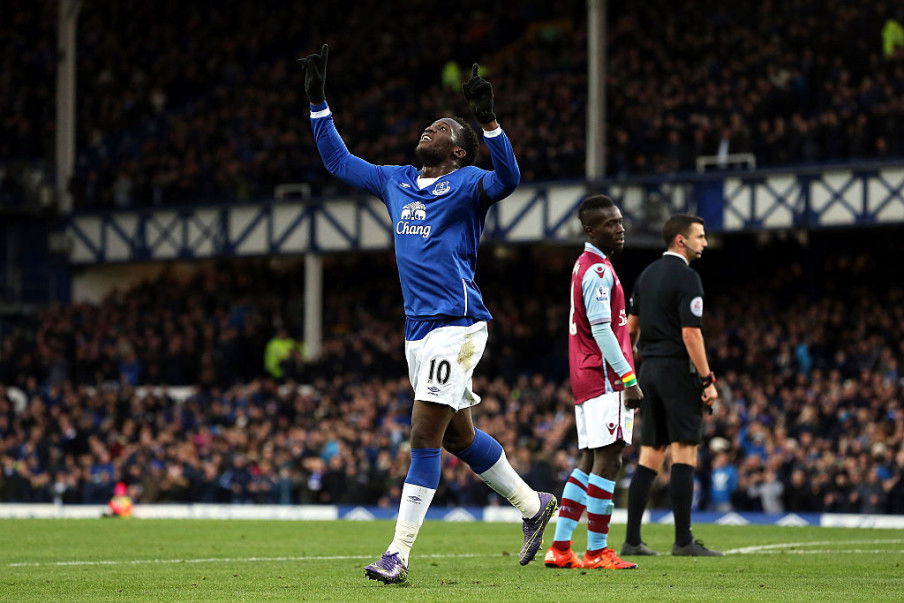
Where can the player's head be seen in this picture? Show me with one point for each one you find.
(602, 223)
(685, 234)
(448, 138)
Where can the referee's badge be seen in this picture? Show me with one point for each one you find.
(697, 306)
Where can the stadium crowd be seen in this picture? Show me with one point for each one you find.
(179, 103)
(810, 376)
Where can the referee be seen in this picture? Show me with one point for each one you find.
(665, 319)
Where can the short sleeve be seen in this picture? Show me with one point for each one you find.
(690, 300)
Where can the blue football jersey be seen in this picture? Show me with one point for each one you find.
(437, 229)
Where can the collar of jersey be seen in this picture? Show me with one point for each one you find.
(594, 249)
(677, 255)
(417, 173)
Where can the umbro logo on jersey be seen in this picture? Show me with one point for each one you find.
(404, 185)
(433, 390)
(414, 499)
(442, 188)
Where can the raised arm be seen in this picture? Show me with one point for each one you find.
(335, 155)
(506, 175)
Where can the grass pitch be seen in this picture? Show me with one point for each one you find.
(129, 560)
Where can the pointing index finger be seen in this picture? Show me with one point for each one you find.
(475, 70)
(324, 54)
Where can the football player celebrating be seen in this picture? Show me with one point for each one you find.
(438, 213)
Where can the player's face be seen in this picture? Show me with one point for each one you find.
(438, 141)
(607, 230)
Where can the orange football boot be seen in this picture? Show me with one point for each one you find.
(562, 559)
(607, 559)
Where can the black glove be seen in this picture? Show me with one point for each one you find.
(479, 94)
(314, 66)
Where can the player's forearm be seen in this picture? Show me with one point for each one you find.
(330, 145)
(335, 155)
(611, 350)
(506, 174)
(634, 328)
(693, 342)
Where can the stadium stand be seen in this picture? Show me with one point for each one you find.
(165, 386)
(811, 383)
(190, 114)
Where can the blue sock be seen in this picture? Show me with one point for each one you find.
(425, 467)
(599, 511)
(483, 452)
(571, 507)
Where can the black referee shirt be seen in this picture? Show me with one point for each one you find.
(667, 296)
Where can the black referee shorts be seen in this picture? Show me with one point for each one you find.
(672, 409)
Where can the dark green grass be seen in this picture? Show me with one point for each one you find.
(55, 560)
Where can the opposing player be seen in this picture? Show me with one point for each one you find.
(604, 387)
(438, 214)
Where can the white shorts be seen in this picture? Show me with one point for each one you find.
(441, 364)
(603, 420)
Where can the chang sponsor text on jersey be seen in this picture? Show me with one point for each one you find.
(412, 213)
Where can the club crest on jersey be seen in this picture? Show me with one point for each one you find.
(442, 188)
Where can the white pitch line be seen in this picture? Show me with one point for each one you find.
(832, 551)
(760, 549)
(793, 545)
(220, 560)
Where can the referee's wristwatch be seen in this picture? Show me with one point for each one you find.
(710, 379)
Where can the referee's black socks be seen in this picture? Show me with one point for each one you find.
(638, 493)
(681, 490)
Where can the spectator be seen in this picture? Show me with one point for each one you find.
(279, 350)
(724, 481)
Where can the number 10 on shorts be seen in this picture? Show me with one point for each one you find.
(440, 370)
